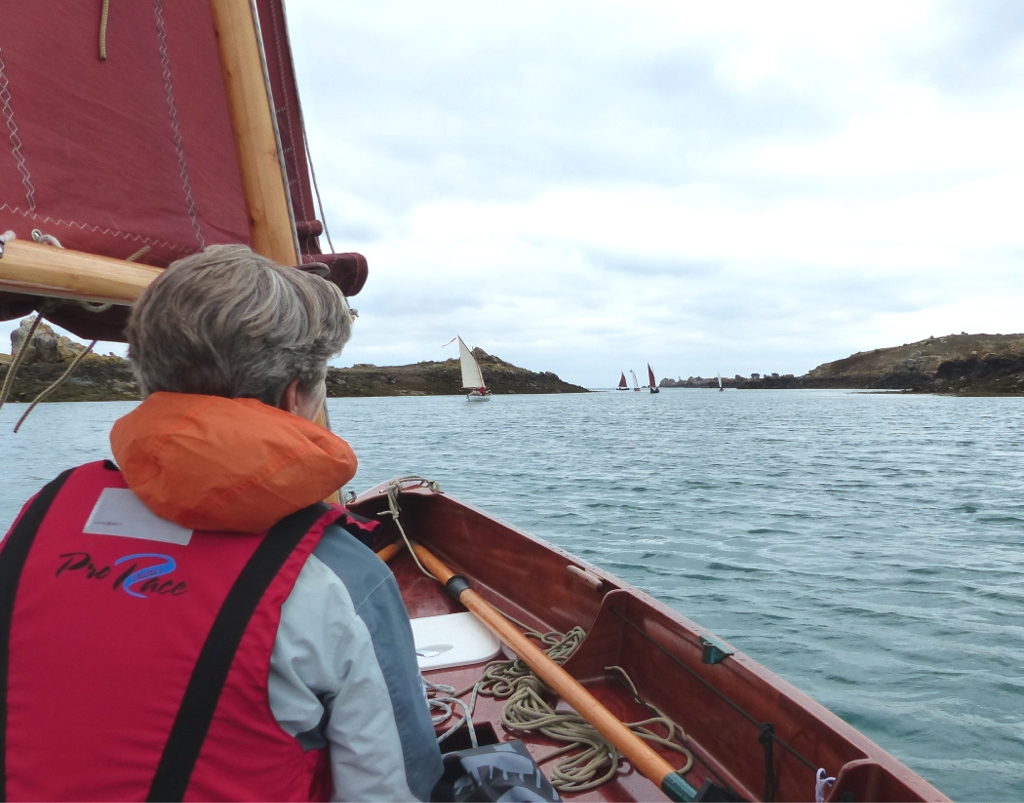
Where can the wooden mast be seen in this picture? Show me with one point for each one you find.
(252, 118)
(266, 190)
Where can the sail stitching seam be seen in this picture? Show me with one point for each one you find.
(19, 158)
(91, 227)
(165, 61)
(287, 115)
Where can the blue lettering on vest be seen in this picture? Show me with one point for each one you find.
(141, 575)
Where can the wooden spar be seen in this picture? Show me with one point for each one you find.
(252, 118)
(43, 270)
(266, 190)
(389, 552)
(641, 755)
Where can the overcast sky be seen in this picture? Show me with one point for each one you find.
(586, 187)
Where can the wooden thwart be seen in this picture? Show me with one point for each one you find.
(641, 755)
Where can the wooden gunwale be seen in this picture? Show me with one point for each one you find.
(528, 578)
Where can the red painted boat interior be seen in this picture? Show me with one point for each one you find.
(721, 706)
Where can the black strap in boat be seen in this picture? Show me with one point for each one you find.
(211, 670)
(12, 562)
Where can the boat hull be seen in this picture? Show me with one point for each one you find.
(722, 706)
(478, 397)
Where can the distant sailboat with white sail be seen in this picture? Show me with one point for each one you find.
(636, 385)
(720, 383)
(472, 376)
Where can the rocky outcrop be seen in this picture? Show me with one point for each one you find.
(963, 364)
(442, 379)
(110, 378)
(96, 378)
(46, 345)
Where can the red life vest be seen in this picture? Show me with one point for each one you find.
(139, 668)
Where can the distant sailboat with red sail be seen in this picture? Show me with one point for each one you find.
(653, 383)
(622, 382)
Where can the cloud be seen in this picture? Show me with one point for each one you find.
(976, 51)
(586, 186)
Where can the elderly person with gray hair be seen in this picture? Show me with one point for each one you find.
(193, 621)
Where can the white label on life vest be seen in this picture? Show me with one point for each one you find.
(120, 512)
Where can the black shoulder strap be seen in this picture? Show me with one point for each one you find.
(13, 555)
(211, 670)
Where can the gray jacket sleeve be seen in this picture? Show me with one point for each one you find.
(343, 675)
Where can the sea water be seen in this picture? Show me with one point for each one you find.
(869, 548)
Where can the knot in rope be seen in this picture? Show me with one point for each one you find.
(822, 784)
(393, 491)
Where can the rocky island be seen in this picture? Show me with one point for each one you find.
(110, 378)
(980, 365)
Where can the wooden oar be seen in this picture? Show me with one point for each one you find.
(636, 750)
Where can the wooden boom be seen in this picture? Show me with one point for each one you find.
(42, 270)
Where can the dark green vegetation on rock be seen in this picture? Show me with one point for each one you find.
(978, 365)
(110, 378)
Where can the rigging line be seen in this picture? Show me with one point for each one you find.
(316, 189)
(254, 11)
(139, 254)
(394, 488)
(735, 707)
(104, 13)
(302, 124)
(26, 344)
(275, 33)
(55, 385)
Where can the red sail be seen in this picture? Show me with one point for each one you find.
(622, 381)
(650, 376)
(113, 155)
(137, 150)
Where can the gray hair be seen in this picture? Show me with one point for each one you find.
(228, 322)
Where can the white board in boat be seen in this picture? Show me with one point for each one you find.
(453, 639)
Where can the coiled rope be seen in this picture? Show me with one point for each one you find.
(587, 759)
